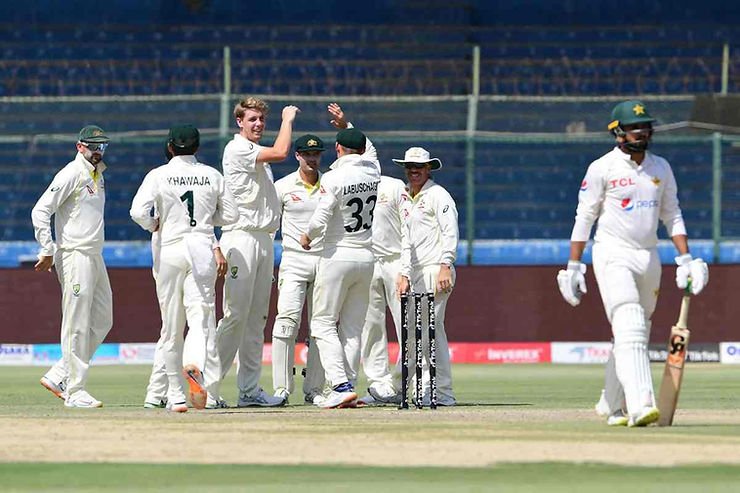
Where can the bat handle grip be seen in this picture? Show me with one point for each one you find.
(683, 317)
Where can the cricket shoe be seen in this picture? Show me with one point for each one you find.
(342, 396)
(618, 418)
(602, 407)
(82, 399)
(197, 393)
(219, 403)
(178, 407)
(647, 416)
(56, 389)
(155, 403)
(442, 401)
(386, 395)
(283, 394)
(260, 399)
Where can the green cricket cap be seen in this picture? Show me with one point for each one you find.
(184, 136)
(93, 135)
(309, 142)
(351, 138)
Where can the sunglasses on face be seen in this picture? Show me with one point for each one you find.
(415, 165)
(95, 147)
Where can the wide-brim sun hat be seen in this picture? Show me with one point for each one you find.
(419, 155)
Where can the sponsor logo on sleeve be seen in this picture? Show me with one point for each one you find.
(584, 186)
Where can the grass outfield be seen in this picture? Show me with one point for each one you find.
(518, 428)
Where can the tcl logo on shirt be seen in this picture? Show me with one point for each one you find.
(294, 197)
(621, 182)
(584, 186)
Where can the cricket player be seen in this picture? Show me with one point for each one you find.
(298, 193)
(156, 391)
(190, 199)
(390, 212)
(76, 199)
(427, 259)
(628, 190)
(347, 198)
(248, 245)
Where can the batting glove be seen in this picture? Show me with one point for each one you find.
(690, 268)
(572, 282)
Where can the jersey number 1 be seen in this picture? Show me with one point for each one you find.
(187, 197)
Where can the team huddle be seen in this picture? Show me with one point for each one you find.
(353, 242)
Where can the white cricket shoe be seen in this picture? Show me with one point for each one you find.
(339, 398)
(178, 407)
(618, 418)
(386, 395)
(58, 389)
(442, 401)
(218, 403)
(260, 399)
(602, 407)
(82, 399)
(282, 394)
(152, 403)
(648, 415)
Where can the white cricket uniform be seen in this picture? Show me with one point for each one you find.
(248, 246)
(190, 198)
(628, 199)
(347, 198)
(431, 240)
(390, 211)
(76, 199)
(295, 285)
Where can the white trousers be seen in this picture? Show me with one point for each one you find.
(188, 296)
(628, 281)
(340, 295)
(374, 337)
(424, 280)
(194, 350)
(87, 315)
(246, 303)
(295, 285)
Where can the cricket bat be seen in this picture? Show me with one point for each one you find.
(670, 387)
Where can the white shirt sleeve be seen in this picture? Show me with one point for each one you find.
(327, 202)
(144, 201)
(227, 211)
(449, 234)
(62, 187)
(670, 212)
(590, 200)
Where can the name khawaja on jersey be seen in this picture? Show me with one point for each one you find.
(188, 181)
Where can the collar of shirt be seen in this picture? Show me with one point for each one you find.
(309, 188)
(628, 159)
(187, 159)
(346, 160)
(94, 172)
(429, 183)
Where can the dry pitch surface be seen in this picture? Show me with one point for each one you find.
(511, 429)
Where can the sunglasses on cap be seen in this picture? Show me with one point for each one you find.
(95, 147)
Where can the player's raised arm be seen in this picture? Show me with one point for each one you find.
(281, 148)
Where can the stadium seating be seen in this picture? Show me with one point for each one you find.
(365, 60)
(522, 190)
